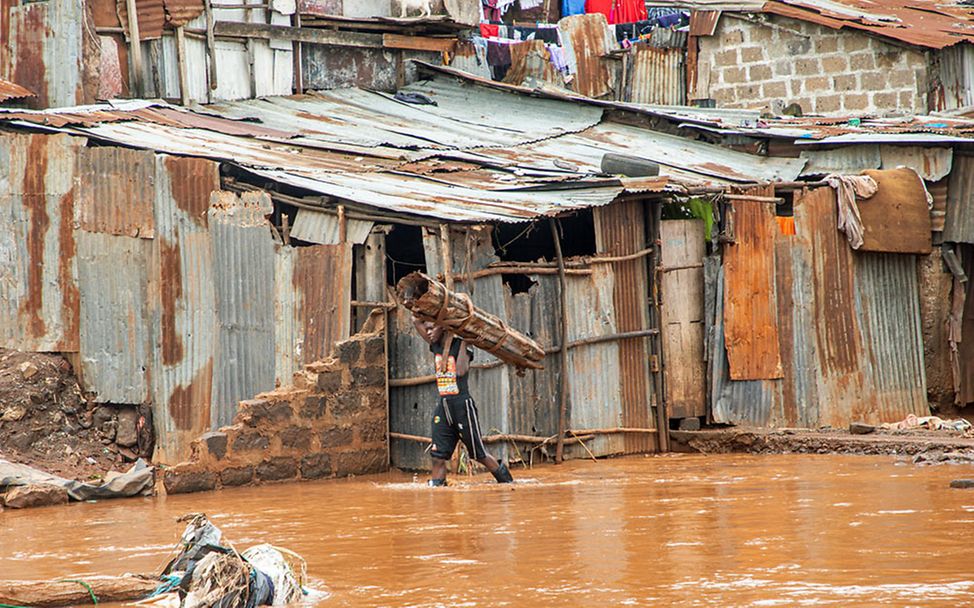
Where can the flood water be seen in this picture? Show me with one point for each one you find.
(687, 530)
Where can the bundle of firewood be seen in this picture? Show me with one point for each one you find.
(430, 300)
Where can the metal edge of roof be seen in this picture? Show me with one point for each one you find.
(12, 90)
(886, 138)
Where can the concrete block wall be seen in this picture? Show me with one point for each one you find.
(752, 63)
(332, 423)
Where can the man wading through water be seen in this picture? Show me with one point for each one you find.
(455, 415)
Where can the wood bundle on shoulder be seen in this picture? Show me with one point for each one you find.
(430, 300)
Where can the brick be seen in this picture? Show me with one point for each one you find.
(760, 33)
(795, 86)
(774, 90)
(830, 103)
(902, 78)
(854, 42)
(361, 462)
(759, 72)
(818, 83)
(237, 476)
(749, 92)
(826, 44)
(336, 437)
(259, 412)
(844, 82)
(862, 61)
(855, 101)
(349, 351)
(726, 58)
(313, 407)
(296, 437)
(369, 376)
(907, 101)
(887, 60)
(345, 403)
(216, 443)
(373, 431)
(783, 68)
(807, 66)
(724, 97)
(752, 54)
(330, 382)
(248, 442)
(835, 64)
(735, 75)
(873, 81)
(276, 469)
(884, 101)
(315, 466)
(732, 36)
(799, 46)
(375, 351)
(186, 481)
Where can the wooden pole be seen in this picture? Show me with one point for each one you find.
(563, 282)
(662, 424)
(181, 63)
(298, 52)
(342, 225)
(210, 44)
(135, 47)
(75, 592)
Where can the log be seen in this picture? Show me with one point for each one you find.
(54, 594)
(455, 312)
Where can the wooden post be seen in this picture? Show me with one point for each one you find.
(662, 424)
(181, 61)
(342, 225)
(446, 259)
(210, 44)
(135, 47)
(298, 52)
(563, 282)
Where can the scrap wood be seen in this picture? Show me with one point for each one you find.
(51, 594)
(430, 300)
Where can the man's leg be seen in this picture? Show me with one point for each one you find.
(438, 473)
(475, 444)
(444, 437)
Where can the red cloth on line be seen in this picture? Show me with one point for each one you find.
(629, 11)
(600, 6)
(488, 30)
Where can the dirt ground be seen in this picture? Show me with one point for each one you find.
(46, 423)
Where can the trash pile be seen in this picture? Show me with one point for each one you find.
(209, 572)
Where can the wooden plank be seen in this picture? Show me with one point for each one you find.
(419, 43)
(896, 219)
(682, 312)
(750, 317)
(285, 32)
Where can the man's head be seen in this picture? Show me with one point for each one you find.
(433, 332)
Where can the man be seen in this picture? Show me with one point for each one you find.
(455, 414)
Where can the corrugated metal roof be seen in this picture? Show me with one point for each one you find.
(324, 228)
(10, 90)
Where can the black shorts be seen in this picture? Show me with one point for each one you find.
(455, 418)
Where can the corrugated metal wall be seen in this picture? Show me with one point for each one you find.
(959, 221)
(956, 78)
(656, 75)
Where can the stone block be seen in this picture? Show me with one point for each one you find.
(178, 480)
(296, 437)
(336, 437)
(799, 46)
(690, 424)
(854, 42)
(855, 102)
(752, 54)
(783, 68)
(276, 469)
(818, 83)
(902, 78)
(873, 81)
(828, 103)
(369, 376)
(315, 466)
(727, 57)
(375, 350)
(237, 476)
(249, 442)
(330, 382)
(835, 64)
(844, 82)
(127, 427)
(861, 428)
(733, 75)
(346, 403)
(372, 431)
(760, 34)
(774, 90)
(907, 101)
(349, 351)
(884, 101)
(361, 462)
(962, 484)
(759, 72)
(313, 408)
(732, 36)
(826, 44)
(807, 66)
(216, 443)
(862, 61)
(35, 495)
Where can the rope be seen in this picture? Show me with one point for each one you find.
(94, 598)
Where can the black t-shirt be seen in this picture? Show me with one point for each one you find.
(448, 384)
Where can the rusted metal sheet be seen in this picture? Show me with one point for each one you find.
(322, 283)
(468, 58)
(959, 221)
(151, 17)
(749, 291)
(45, 50)
(620, 229)
(962, 326)
(410, 407)
(185, 346)
(586, 39)
(682, 252)
(938, 212)
(39, 301)
(10, 90)
(658, 76)
(888, 305)
(530, 65)
(844, 160)
(896, 219)
(703, 23)
(324, 229)
(243, 267)
(930, 163)
(117, 316)
(181, 12)
(956, 78)
(116, 196)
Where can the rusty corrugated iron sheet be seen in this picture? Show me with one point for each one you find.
(10, 90)
(243, 268)
(959, 221)
(322, 279)
(45, 51)
(39, 300)
(185, 347)
(621, 230)
(924, 23)
(956, 86)
(657, 76)
(530, 65)
(181, 12)
(751, 325)
(938, 212)
(703, 23)
(118, 193)
(586, 40)
(151, 17)
(930, 163)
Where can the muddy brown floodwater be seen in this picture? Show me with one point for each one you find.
(687, 530)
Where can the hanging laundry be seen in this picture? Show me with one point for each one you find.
(628, 11)
(498, 58)
(600, 6)
(572, 7)
(847, 189)
(489, 30)
(529, 4)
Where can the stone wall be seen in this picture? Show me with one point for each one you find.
(776, 60)
(332, 423)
